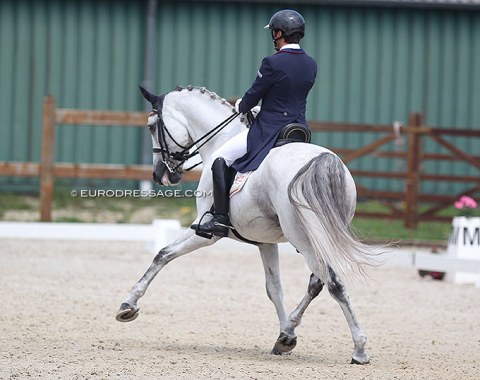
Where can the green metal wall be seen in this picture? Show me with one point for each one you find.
(375, 66)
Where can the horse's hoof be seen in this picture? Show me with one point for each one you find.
(364, 359)
(284, 344)
(126, 313)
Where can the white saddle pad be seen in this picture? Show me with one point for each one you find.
(239, 182)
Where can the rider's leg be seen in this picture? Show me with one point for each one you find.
(219, 224)
(234, 148)
(226, 155)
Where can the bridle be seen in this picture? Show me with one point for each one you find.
(175, 160)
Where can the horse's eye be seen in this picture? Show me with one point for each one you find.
(152, 121)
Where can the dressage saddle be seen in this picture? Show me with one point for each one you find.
(294, 132)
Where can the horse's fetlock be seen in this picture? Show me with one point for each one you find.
(360, 340)
(137, 292)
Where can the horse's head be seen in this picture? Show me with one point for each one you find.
(170, 144)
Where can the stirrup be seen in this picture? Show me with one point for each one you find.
(208, 235)
(200, 232)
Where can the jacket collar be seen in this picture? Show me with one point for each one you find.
(290, 46)
(291, 51)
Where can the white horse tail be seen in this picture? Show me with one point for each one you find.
(318, 193)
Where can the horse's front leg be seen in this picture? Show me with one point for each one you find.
(186, 243)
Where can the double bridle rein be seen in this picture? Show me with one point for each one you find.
(184, 154)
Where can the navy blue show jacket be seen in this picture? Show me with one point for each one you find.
(282, 83)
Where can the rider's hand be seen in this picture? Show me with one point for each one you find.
(237, 104)
(255, 110)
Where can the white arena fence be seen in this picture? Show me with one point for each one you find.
(162, 231)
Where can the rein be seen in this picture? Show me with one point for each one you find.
(185, 153)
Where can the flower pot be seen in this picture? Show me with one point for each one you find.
(464, 243)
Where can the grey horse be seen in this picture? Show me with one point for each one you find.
(301, 193)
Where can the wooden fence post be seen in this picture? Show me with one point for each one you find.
(48, 154)
(415, 121)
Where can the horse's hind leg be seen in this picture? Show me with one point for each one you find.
(270, 259)
(282, 345)
(186, 243)
(339, 293)
(287, 339)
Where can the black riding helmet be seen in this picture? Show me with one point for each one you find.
(288, 21)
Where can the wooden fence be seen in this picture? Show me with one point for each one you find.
(414, 155)
(403, 205)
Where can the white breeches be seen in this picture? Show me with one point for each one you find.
(234, 148)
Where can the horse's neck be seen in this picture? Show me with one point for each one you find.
(204, 114)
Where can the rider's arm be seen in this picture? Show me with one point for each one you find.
(266, 77)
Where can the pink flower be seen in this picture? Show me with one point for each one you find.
(465, 201)
(467, 205)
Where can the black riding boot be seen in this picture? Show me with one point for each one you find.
(220, 223)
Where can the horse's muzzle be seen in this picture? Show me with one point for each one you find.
(163, 177)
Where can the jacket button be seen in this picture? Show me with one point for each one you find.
(285, 114)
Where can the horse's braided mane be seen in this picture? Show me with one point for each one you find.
(204, 90)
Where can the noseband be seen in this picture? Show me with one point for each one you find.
(175, 160)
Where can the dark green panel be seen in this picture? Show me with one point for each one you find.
(86, 79)
(55, 56)
(355, 87)
(375, 65)
(67, 135)
(22, 60)
(39, 79)
(312, 45)
(165, 49)
(102, 80)
(228, 52)
(339, 68)
(449, 74)
(463, 78)
(213, 42)
(417, 62)
(118, 73)
(433, 80)
(356, 68)
(133, 23)
(7, 47)
(198, 70)
(386, 76)
(323, 84)
(372, 66)
(433, 63)
(181, 49)
(474, 94)
(401, 65)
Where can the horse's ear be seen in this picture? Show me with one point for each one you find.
(151, 98)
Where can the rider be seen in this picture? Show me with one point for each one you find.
(282, 83)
